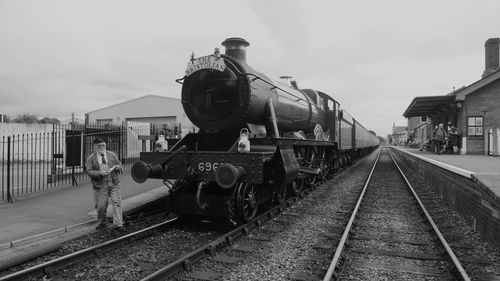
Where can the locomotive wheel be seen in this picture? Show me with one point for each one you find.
(246, 202)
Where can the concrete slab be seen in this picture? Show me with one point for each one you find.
(61, 208)
(483, 169)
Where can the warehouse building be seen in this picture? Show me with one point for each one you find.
(162, 112)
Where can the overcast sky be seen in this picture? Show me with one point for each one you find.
(61, 57)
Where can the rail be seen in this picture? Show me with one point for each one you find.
(449, 251)
(332, 273)
(340, 248)
(78, 256)
(209, 249)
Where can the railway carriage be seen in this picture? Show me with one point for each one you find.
(258, 140)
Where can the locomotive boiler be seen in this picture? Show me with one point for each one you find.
(223, 93)
(259, 140)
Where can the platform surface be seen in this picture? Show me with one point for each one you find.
(67, 206)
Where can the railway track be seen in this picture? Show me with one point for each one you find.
(391, 236)
(232, 257)
(54, 266)
(172, 245)
(296, 243)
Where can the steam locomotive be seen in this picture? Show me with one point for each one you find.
(259, 140)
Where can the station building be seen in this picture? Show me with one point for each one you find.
(161, 112)
(399, 134)
(474, 109)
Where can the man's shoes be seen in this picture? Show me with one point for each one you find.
(120, 229)
(101, 226)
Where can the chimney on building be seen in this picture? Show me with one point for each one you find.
(492, 56)
(236, 48)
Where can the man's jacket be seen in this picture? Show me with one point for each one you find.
(440, 134)
(93, 169)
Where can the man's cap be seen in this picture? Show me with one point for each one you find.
(99, 140)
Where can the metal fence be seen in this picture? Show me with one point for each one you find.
(34, 162)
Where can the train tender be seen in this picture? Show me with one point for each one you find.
(258, 139)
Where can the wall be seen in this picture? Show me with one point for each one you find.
(469, 198)
(30, 141)
(484, 102)
(9, 129)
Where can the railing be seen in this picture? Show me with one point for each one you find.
(34, 162)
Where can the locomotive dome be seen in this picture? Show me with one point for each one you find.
(214, 94)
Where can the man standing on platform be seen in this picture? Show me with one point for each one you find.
(103, 167)
(439, 137)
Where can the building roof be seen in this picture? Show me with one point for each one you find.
(462, 92)
(132, 100)
(432, 105)
(428, 106)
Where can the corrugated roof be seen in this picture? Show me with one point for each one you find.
(428, 106)
(124, 102)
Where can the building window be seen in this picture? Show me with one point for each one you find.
(475, 126)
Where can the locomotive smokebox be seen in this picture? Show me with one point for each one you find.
(236, 48)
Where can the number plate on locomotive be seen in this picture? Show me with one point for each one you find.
(207, 62)
(207, 166)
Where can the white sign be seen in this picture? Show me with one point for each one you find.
(207, 62)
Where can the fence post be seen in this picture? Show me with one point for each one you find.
(73, 177)
(490, 142)
(120, 140)
(496, 139)
(9, 195)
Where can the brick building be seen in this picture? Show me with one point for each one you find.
(399, 134)
(475, 109)
(419, 128)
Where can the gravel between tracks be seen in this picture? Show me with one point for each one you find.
(290, 248)
(449, 220)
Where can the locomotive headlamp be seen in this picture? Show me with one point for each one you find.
(227, 175)
(141, 171)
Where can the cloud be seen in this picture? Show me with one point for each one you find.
(285, 23)
(59, 57)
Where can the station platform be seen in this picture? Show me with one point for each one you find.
(66, 207)
(482, 169)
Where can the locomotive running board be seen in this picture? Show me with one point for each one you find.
(307, 170)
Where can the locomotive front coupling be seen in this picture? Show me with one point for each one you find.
(141, 171)
(227, 175)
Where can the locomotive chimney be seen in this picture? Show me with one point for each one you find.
(236, 48)
(492, 53)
